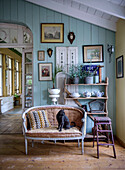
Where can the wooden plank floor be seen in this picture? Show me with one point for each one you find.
(10, 123)
(57, 156)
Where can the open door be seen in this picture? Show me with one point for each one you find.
(27, 78)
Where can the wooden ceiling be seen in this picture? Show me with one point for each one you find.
(104, 13)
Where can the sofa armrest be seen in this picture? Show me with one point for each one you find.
(24, 125)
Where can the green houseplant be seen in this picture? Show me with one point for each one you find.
(74, 73)
(16, 99)
(89, 77)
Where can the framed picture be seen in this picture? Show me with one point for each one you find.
(93, 53)
(41, 55)
(52, 33)
(119, 67)
(45, 71)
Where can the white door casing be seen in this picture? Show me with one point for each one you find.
(17, 36)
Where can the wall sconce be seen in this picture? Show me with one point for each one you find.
(110, 49)
(49, 52)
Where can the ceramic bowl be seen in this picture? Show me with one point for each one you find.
(75, 95)
(54, 91)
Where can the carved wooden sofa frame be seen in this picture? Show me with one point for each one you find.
(75, 114)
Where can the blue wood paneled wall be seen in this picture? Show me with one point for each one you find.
(20, 11)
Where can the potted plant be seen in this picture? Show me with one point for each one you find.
(82, 74)
(89, 77)
(74, 73)
(16, 99)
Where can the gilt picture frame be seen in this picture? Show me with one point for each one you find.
(119, 67)
(45, 71)
(93, 54)
(52, 33)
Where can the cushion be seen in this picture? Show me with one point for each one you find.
(52, 132)
(45, 117)
(38, 119)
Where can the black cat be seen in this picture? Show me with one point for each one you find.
(63, 121)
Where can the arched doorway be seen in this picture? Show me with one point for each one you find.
(16, 39)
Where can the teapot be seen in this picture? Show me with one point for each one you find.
(87, 94)
(99, 94)
(75, 94)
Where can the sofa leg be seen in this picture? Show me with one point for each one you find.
(42, 141)
(82, 146)
(32, 143)
(78, 143)
(26, 146)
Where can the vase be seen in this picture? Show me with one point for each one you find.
(89, 80)
(96, 79)
(76, 80)
(54, 94)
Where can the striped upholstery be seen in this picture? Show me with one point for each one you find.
(38, 119)
(45, 117)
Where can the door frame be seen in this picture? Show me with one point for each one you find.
(20, 44)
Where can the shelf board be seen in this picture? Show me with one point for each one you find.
(26, 85)
(86, 98)
(29, 74)
(28, 96)
(27, 63)
(98, 84)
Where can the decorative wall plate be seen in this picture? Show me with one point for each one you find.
(3, 35)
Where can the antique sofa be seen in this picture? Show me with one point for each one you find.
(75, 114)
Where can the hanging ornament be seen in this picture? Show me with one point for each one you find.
(49, 51)
(71, 37)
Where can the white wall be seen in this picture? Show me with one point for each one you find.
(7, 103)
(120, 83)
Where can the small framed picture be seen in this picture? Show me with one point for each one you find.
(93, 53)
(41, 55)
(45, 71)
(119, 67)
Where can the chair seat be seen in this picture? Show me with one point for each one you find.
(102, 119)
(52, 132)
